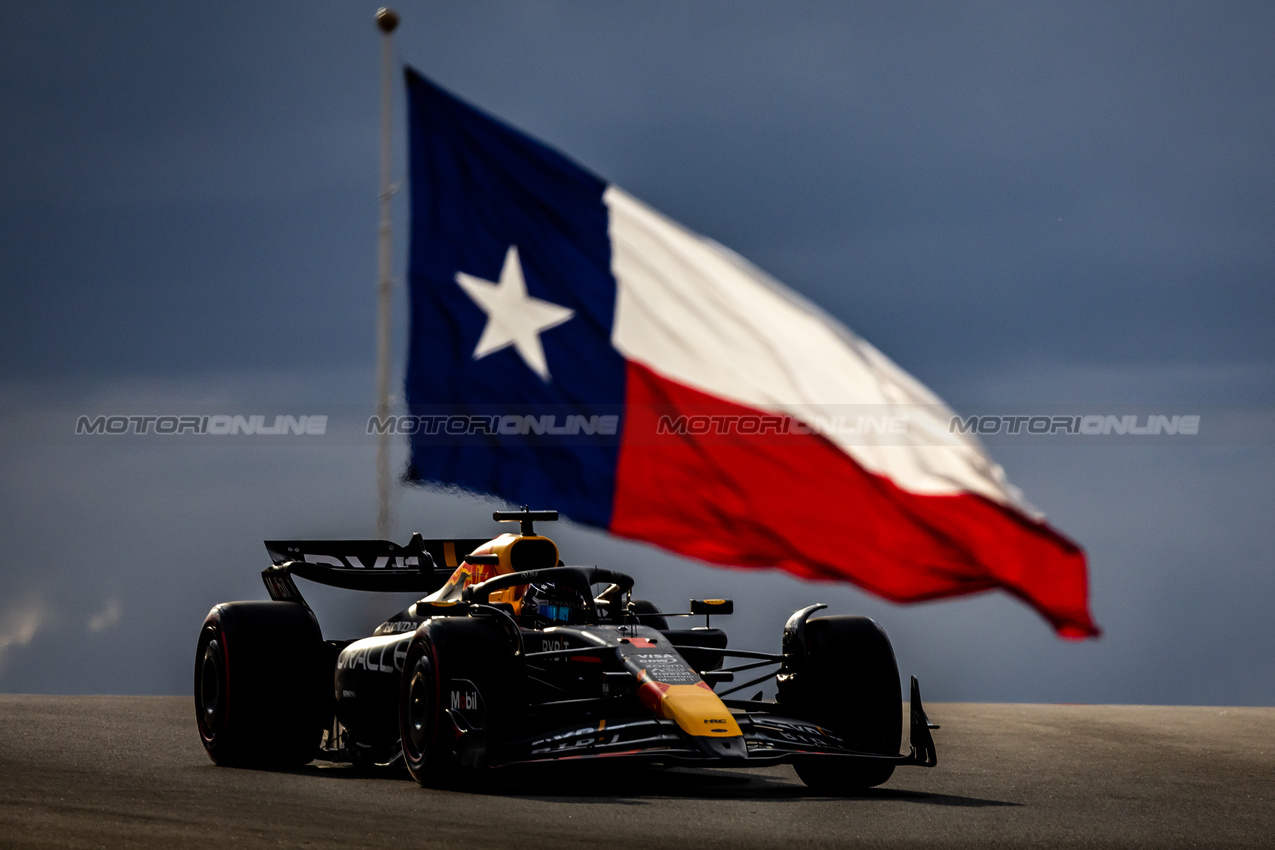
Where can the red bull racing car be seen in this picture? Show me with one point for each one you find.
(512, 658)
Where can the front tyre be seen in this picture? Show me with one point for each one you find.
(849, 684)
(421, 717)
(458, 700)
(262, 697)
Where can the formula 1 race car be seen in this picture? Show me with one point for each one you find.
(513, 658)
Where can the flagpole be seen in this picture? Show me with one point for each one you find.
(386, 22)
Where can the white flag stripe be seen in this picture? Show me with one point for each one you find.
(699, 314)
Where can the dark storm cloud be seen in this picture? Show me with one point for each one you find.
(184, 185)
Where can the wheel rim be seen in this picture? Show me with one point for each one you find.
(210, 683)
(419, 709)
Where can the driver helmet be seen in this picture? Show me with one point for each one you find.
(547, 603)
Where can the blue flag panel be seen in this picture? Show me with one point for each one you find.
(512, 382)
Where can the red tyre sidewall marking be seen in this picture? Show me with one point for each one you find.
(427, 651)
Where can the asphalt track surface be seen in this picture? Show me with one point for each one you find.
(130, 772)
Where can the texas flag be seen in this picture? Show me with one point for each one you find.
(572, 348)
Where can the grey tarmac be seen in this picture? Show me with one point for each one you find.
(94, 771)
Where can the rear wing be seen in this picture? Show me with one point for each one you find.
(422, 566)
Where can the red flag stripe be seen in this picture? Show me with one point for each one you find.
(797, 502)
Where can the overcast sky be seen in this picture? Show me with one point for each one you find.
(1065, 207)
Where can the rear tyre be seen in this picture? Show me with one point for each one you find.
(849, 684)
(643, 606)
(262, 694)
(456, 700)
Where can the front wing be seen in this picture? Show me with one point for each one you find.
(770, 738)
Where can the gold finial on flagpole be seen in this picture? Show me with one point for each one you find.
(387, 20)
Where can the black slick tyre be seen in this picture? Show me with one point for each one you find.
(849, 685)
(650, 614)
(421, 717)
(456, 700)
(262, 694)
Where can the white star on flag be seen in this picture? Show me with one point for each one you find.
(513, 317)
